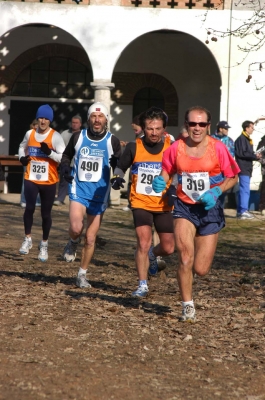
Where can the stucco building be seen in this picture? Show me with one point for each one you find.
(130, 54)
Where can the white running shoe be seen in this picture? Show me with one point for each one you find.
(69, 252)
(43, 254)
(141, 291)
(245, 215)
(188, 314)
(82, 282)
(26, 245)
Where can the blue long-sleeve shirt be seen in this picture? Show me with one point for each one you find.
(227, 141)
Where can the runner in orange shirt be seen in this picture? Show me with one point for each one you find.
(40, 152)
(144, 156)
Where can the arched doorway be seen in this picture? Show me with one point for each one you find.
(178, 65)
(50, 67)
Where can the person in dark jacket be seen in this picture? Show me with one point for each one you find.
(261, 146)
(244, 157)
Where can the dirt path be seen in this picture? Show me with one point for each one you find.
(59, 342)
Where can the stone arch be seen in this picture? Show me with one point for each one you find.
(127, 84)
(11, 72)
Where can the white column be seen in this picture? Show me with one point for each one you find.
(102, 90)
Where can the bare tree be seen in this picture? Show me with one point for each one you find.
(252, 29)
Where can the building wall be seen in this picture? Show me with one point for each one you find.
(106, 34)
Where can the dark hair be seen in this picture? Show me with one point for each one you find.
(153, 113)
(77, 117)
(136, 120)
(246, 124)
(34, 122)
(198, 108)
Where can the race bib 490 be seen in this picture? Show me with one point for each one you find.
(90, 168)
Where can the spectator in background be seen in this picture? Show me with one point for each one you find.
(244, 157)
(261, 146)
(76, 124)
(183, 133)
(33, 125)
(221, 134)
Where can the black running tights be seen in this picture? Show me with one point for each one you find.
(47, 195)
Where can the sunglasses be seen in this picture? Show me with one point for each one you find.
(193, 124)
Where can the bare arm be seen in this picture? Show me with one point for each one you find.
(165, 175)
(228, 183)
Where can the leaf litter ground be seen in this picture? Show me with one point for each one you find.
(60, 342)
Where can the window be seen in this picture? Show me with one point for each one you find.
(145, 98)
(54, 77)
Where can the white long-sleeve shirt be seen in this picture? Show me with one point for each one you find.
(57, 144)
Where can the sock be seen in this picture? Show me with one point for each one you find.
(151, 254)
(44, 243)
(187, 303)
(82, 271)
(75, 241)
(143, 283)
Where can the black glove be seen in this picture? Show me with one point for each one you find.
(113, 161)
(66, 173)
(171, 194)
(24, 160)
(45, 148)
(117, 182)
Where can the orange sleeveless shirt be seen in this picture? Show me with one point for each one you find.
(207, 163)
(144, 168)
(40, 163)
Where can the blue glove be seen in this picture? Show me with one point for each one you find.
(210, 197)
(159, 184)
(171, 194)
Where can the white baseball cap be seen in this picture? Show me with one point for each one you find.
(98, 107)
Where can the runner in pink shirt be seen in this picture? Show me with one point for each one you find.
(205, 169)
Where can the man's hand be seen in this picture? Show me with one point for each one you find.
(24, 160)
(66, 173)
(171, 194)
(159, 184)
(117, 182)
(113, 161)
(210, 197)
(45, 148)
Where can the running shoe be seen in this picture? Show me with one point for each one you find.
(161, 263)
(82, 282)
(141, 291)
(245, 215)
(58, 203)
(188, 314)
(153, 264)
(69, 252)
(43, 254)
(26, 246)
